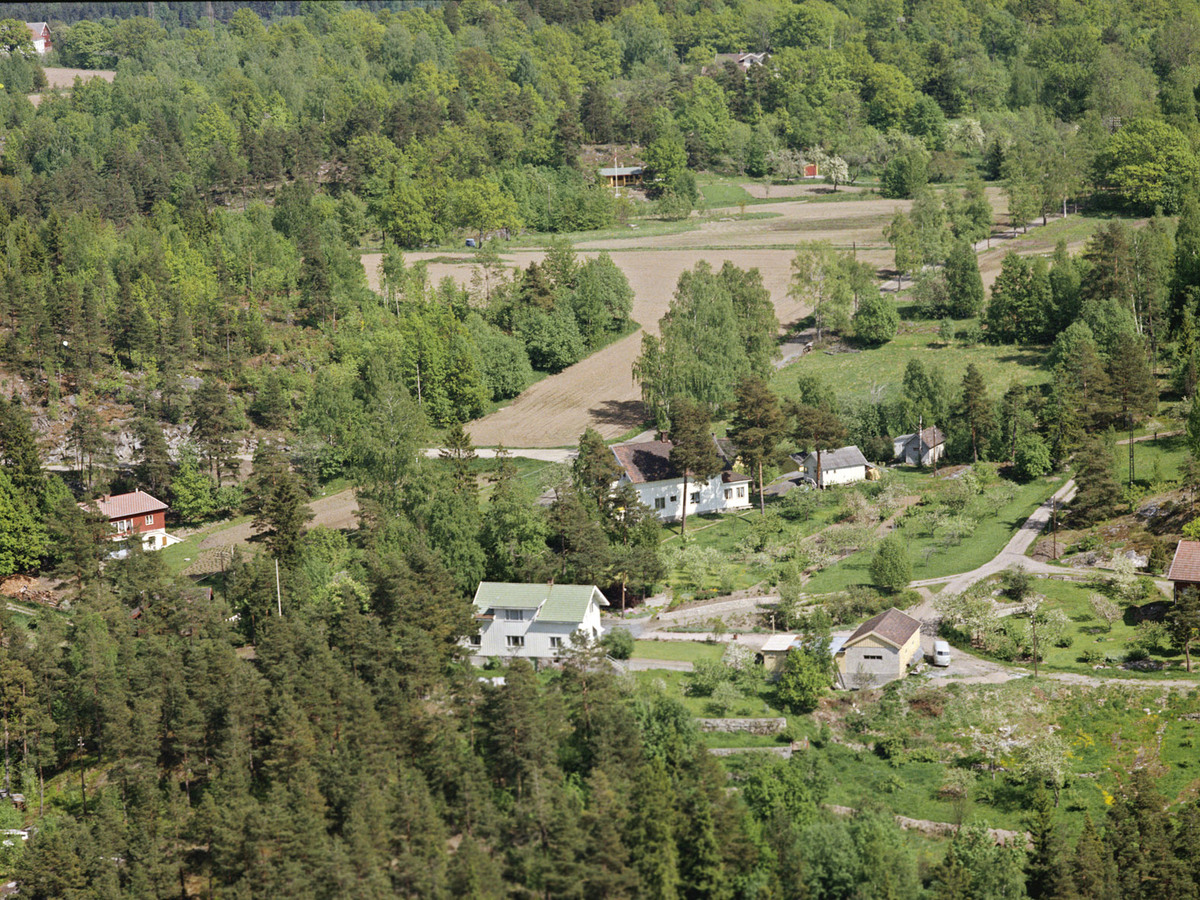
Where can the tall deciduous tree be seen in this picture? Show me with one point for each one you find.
(757, 427)
(693, 450)
(963, 281)
(901, 234)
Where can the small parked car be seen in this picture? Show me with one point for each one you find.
(941, 653)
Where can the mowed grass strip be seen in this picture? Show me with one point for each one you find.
(676, 651)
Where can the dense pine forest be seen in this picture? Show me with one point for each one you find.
(181, 265)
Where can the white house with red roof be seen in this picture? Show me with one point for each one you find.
(647, 466)
(137, 514)
(39, 33)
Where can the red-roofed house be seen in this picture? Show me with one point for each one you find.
(1185, 567)
(136, 514)
(39, 33)
(647, 466)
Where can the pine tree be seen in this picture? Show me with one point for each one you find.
(277, 503)
(1047, 876)
(693, 450)
(19, 452)
(1092, 868)
(757, 428)
(595, 468)
(215, 426)
(651, 833)
(154, 460)
(818, 428)
(975, 409)
(1133, 391)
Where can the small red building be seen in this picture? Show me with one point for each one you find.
(39, 33)
(137, 514)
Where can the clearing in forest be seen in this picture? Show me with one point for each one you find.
(599, 391)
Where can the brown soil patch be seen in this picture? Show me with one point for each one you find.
(62, 79)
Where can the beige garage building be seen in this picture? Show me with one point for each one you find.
(881, 650)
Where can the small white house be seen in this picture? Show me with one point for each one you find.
(845, 465)
(534, 621)
(922, 448)
(647, 466)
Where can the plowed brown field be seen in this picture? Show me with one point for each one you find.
(599, 391)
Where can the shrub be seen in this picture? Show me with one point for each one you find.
(891, 569)
(1091, 656)
(618, 643)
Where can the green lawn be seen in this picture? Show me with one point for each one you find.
(989, 537)
(1153, 461)
(858, 374)
(718, 191)
(676, 651)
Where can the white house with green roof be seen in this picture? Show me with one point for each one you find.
(534, 621)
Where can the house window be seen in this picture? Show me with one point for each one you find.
(741, 492)
(694, 497)
(660, 502)
(728, 493)
(123, 526)
(556, 643)
(878, 656)
(515, 641)
(476, 640)
(514, 615)
(674, 498)
(150, 519)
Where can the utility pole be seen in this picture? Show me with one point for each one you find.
(278, 595)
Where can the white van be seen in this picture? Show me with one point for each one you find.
(941, 653)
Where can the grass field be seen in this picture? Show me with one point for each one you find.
(862, 374)
(1153, 461)
(676, 651)
(988, 539)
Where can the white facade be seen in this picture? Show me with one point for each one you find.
(844, 475)
(844, 465)
(715, 495)
(535, 631)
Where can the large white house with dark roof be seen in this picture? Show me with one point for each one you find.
(647, 466)
(534, 621)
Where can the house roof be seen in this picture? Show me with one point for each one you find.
(777, 643)
(554, 602)
(618, 171)
(1186, 564)
(36, 28)
(891, 625)
(646, 461)
(139, 503)
(842, 458)
(930, 437)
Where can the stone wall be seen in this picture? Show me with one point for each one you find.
(746, 726)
